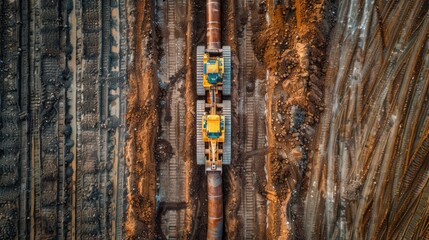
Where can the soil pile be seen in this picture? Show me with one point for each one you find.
(142, 123)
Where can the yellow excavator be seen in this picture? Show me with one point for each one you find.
(213, 131)
(213, 107)
(213, 118)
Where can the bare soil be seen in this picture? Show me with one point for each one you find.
(329, 113)
(291, 46)
(142, 124)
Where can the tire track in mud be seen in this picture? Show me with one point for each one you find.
(170, 143)
(72, 73)
(111, 102)
(47, 100)
(24, 85)
(118, 107)
(105, 149)
(35, 205)
(251, 110)
(89, 215)
(51, 127)
(95, 79)
(51, 100)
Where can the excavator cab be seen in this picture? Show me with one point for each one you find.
(213, 128)
(213, 70)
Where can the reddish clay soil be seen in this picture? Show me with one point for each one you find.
(142, 124)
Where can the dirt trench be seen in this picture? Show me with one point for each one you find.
(231, 181)
(298, 111)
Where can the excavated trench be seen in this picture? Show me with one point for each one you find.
(243, 208)
(142, 123)
(285, 61)
(280, 74)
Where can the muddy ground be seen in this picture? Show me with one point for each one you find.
(330, 120)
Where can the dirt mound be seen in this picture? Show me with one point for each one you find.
(142, 123)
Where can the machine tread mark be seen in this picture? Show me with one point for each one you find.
(200, 142)
(200, 70)
(226, 87)
(227, 143)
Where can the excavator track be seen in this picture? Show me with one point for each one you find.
(227, 143)
(200, 143)
(200, 71)
(226, 85)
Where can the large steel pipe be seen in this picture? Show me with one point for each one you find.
(214, 178)
(213, 24)
(215, 205)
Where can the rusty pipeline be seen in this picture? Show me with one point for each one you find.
(213, 32)
(215, 205)
(214, 178)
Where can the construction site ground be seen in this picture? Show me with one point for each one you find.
(329, 114)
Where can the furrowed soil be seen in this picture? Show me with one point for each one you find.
(290, 40)
(142, 123)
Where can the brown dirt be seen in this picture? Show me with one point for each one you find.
(297, 44)
(357, 129)
(291, 47)
(191, 178)
(142, 123)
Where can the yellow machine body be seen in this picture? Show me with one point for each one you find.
(213, 70)
(213, 128)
